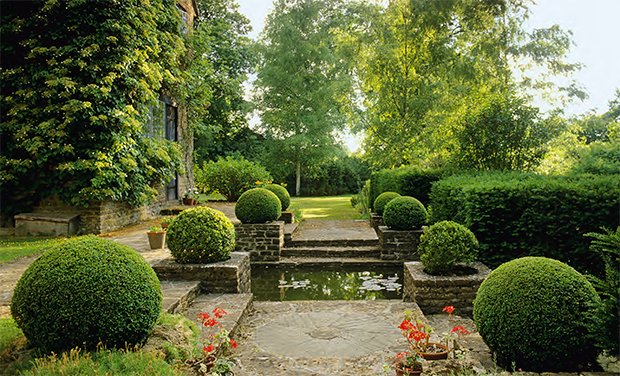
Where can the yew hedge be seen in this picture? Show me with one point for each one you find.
(516, 214)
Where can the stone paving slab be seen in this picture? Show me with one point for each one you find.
(335, 230)
(237, 307)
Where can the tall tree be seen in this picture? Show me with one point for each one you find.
(302, 84)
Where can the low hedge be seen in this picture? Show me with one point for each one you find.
(258, 205)
(405, 213)
(517, 214)
(407, 180)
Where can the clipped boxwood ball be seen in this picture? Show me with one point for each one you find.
(85, 291)
(201, 235)
(382, 200)
(532, 311)
(444, 244)
(282, 193)
(404, 213)
(258, 205)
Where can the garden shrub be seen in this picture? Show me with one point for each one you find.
(532, 313)
(229, 177)
(444, 244)
(518, 214)
(258, 205)
(282, 193)
(200, 236)
(407, 180)
(382, 200)
(85, 291)
(405, 213)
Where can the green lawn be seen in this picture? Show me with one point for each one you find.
(332, 207)
(12, 247)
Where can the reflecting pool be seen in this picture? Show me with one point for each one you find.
(303, 283)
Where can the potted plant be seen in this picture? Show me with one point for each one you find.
(215, 343)
(190, 197)
(408, 364)
(166, 221)
(157, 237)
(418, 334)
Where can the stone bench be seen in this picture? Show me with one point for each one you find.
(46, 224)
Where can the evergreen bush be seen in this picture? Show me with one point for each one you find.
(405, 213)
(444, 244)
(382, 200)
(258, 205)
(200, 236)
(87, 291)
(532, 313)
(282, 193)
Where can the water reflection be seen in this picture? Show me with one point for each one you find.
(286, 283)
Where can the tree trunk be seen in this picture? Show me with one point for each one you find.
(298, 179)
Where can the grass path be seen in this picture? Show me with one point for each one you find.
(332, 207)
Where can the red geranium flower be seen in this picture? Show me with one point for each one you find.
(448, 309)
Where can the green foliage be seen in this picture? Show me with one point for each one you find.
(87, 291)
(605, 321)
(258, 205)
(445, 243)
(598, 158)
(281, 192)
(532, 311)
(102, 363)
(407, 180)
(517, 214)
(201, 236)
(14, 247)
(500, 133)
(405, 213)
(176, 337)
(10, 336)
(76, 78)
(382, 200)
(229, 177)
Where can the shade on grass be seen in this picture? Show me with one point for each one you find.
(326, 208)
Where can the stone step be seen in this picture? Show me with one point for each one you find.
(349, 252)
(331, 243)
(237, 307)
(178, 295)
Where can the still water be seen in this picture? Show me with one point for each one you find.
(296, 283)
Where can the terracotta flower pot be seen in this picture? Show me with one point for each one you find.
(402, 371)
(443, 354)
(156, 239)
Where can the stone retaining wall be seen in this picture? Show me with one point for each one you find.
(263, 241)
(398, 245)
(376, 220)
(433, 293)
(230, 276)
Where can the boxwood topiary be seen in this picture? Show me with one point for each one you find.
(201, 235)
(258, 205)
(532, 312)
(282, 193)
(404, 213)
(85, 291)
(445, 243)
(382, 200)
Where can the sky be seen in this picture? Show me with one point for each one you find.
(596, 33)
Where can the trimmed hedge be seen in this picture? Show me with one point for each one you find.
(282, 193)
(407, 180)
(201, 236)
(258, 205)
(405, 213)
(382, 200)
(85, 291)
(516, 214)
(445, 243)
(533, 311)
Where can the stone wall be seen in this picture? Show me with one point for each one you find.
(230, 276)
(376, 220)
(398, 245)
(433, 293)
(263, 241)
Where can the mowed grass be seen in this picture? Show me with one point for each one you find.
(326, 208)
(12, 247)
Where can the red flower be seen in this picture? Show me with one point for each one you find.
(218, 312)
(448, 309)
(209, 348)
(417, 335)
(203, 316)
(459, 329)
(233, 344)
(211, 322)
(406, 325)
